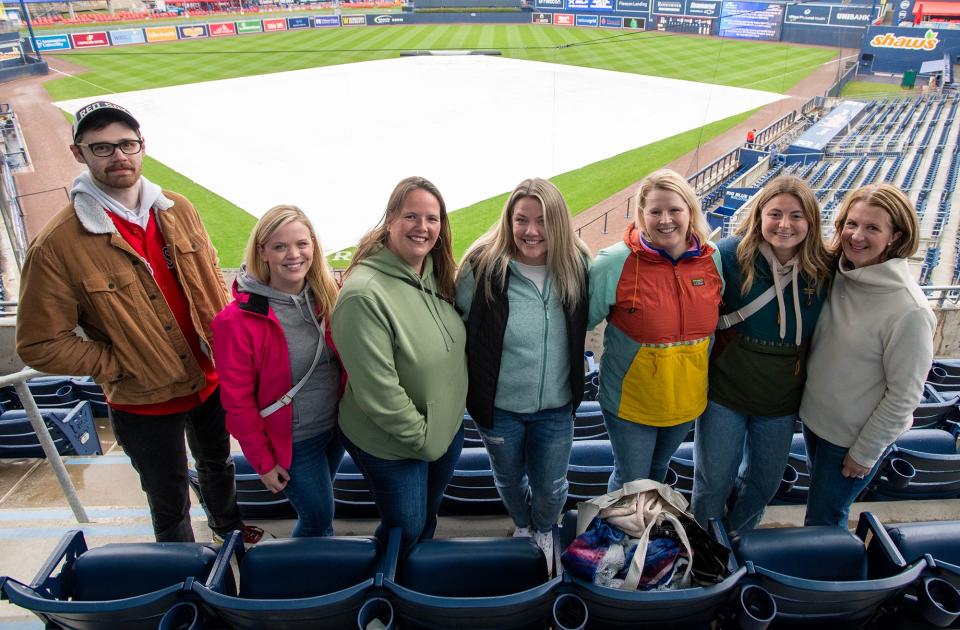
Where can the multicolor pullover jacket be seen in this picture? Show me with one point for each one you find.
(660, 315)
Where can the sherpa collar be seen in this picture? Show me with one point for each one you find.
(94, 218)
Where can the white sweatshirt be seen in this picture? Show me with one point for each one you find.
(870, 355)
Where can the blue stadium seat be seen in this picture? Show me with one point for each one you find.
(124, 585)
(254, 499)
(931, 454)
(819, 575)
(591, 463)
(73, 432)
(467, 583)
(472, 489)
(293, 583)
(934, 408)
(351, 492)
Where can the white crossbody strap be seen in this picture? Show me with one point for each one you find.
(734, 318)
(287, 398)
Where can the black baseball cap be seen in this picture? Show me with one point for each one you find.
(100, 110)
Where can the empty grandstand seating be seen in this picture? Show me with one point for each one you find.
(72, 430)
(931, 455)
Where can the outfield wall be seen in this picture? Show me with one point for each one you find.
(897, 50)
(821, 24)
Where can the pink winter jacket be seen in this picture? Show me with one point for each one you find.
(251, 356)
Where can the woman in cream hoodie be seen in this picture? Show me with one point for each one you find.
(871, 351)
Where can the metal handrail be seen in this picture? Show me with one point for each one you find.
(19, 382)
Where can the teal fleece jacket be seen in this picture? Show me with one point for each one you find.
(534, 364)
(403, 350)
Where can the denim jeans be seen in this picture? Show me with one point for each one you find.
(831, 494)
(156, 450)
(310, 489)
(728, 441)
(407, 491)
(529, 453)
(641, 451)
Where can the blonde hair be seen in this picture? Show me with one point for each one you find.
(814, 259)
(566, 253)
(319, 278)
(666, 179)
(897, 206)
(444, 266)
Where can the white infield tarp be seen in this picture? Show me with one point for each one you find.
(335, 140)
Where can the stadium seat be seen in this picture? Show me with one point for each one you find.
(472, 489)
(466, 583)
(931, 455)
(121, 585)
(820, 575)
(938, 543)
(293, 583)
(254, 499)
(934, 408)
(72, 430)
(351, 492)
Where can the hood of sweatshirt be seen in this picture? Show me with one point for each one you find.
(890, 275)
(301, 303)
(781, 274)
(388, 263)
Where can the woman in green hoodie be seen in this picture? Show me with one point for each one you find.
(401, 342)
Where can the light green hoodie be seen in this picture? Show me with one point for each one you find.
(403, 350)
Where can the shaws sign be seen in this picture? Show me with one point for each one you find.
(889, 40)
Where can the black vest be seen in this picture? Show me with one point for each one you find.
(486, 326)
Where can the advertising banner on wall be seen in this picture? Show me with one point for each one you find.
(89, 40)
(633, 6)
(701, 8)
(193, 31)
(385, 20)
(53, 42)
(751, 20)
(590, 5)
(300, 21)
(736, 197)
(160, 34)
(353, 20)
(249, 26)
(637, 23)
(222, 29)
(808, 14)
(326, 21)
(549, 4)
(127, 36)
(274, 24)
(587, 20)
(668, 7)
(609, 21)
(563, 19)
(542, 18)
(859, 17)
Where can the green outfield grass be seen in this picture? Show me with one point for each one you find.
(763, 66)
(869, 88)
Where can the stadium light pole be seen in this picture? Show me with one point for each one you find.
(33, 38)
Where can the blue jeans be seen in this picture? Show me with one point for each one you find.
(407, 491)
(724, 439)
(529, 453)
(641, 451)
(310, 489)
(831, 494)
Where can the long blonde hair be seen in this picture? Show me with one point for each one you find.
(814, 259)
(566, 253)
(897, 205)
(444, 266)
(319, 278)
(666, 179)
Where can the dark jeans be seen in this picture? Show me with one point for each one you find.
(310, 489)
(407, 491)
(156, 450)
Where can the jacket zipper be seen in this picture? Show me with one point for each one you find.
(683, 325)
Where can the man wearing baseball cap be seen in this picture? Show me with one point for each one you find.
(131, 267)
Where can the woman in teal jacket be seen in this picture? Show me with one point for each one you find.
(523, 294)
(776, 270)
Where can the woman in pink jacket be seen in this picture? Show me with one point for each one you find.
(280, 377)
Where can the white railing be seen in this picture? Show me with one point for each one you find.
(19, 382)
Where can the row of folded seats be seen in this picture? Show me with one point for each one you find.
(923, 464)
(899, 576)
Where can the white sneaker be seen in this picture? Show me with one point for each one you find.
(521, 532)
(544, 540)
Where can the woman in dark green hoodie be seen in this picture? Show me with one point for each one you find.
(401, 342)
